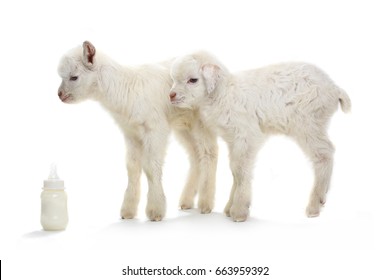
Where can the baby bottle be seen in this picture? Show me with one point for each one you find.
(54, 210)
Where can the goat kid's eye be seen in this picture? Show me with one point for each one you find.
(73, 78)
(192, 81)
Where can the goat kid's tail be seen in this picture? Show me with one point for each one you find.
(345, 102)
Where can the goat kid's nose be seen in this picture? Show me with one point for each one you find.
(60, 93)
(172, 95)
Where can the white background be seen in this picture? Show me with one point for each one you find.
(348, 39)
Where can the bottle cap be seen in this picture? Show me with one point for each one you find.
(53, 182)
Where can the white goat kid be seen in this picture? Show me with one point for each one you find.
(137, 99)
(295, 99)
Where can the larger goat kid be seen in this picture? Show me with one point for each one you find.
(295, 99)
(138, 100)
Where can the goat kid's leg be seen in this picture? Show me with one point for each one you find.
(323, 166)
(154, 148)
(231, 197)
(132, 194)
(192, 184)
(320, 150)
(207, 147)
(202, 148)
(242, 156)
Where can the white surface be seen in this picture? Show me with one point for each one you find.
(348, 241)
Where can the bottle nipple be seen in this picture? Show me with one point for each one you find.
(53, 172)
(53, 182)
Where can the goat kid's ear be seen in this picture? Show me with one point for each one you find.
(211, 74)
(89, 52)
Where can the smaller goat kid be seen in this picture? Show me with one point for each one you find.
(137, 98)
(295, 99)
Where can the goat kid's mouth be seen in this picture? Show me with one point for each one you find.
(177, 101)
(66, 98)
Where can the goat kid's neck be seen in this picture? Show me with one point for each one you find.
(114, 86)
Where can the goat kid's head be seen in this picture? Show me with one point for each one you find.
(77, 71)
(194, 79)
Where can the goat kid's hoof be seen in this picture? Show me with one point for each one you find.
(205, 210)
(156, 218)
(313, 211)
(155, 215)
(186, 203)
(239, 214)
(227, 211)
(205, 207)
(184, 206)
(127, 213)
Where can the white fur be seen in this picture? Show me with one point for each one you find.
(138, 100)
(296, 99)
